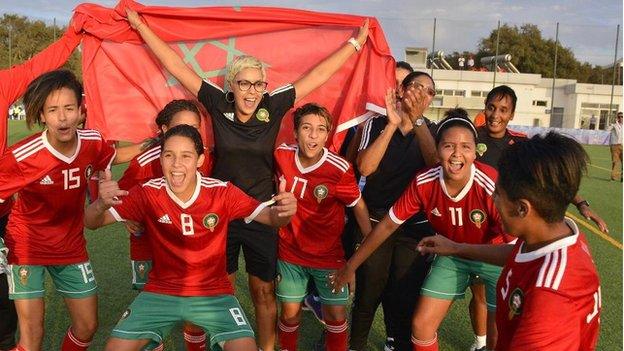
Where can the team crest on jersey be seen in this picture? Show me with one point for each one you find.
(320, 192)
(210, 221)
(126, 314)
(481, 149)
(278, 278)
(24, 273)
(477, 217)
(88, 172)
(141, 269)
(263, 115)
(516, 302)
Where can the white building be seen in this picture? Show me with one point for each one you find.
(574, 103)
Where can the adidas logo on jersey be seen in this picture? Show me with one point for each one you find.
(165, 219)
(435, 212)
(46, 181)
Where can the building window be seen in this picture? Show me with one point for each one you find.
(541, 103)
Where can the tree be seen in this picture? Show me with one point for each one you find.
(531, 53)
(29, 37)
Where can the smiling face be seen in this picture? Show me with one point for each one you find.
(61, 116)
(456, 151)
(498, 113)
(246, 102)
(179, 161)
(311, 136)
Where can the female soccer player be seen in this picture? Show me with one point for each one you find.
(49, 172)
(548, 294)
(456, 196)
(310, 246)
(186, 216)
(246, 120)
(146, 166)
(13, 83)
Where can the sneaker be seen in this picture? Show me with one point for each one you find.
(389, 346)
(474, 347)
(313, 304)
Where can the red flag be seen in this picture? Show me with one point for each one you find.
(125, 85)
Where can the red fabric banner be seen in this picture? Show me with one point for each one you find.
(125, 86)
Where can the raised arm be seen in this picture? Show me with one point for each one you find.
(172, 62)
(415, 105)
(97, 214)
(330, 65)
(368, 159)
(440, 245)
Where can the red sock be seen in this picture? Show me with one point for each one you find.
(71, 343)
(194, 339)
(428, 345)
(288, 334)
(336, 338)
(18, 348)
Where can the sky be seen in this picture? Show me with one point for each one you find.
(588, 27)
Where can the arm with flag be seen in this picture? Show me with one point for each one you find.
(291, 44)
(14, 80)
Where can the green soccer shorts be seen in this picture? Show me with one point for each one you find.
(450, 276)
(292, 283)
(72, 281)
(152, 316)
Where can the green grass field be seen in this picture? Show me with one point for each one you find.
(108, 248)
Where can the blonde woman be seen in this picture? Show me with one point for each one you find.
(246, 120)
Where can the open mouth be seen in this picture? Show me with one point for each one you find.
(312, 146)
(250, 102)
(455, 166)
(177, 178)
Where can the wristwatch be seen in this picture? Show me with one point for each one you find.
(419, 121)
(581, 203)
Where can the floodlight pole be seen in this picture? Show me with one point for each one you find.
(617, 39)
(496, 55)
(433, 46)
(552, 95)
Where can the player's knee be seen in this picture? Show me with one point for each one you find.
(85, 329)
(335, 313)
(263, 294)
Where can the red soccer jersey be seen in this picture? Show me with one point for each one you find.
(142, 168)
(188, 238)
(46, 223)
(313, 236)
(549, 299)
(470, 217)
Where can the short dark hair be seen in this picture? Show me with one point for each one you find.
(500, 92)
(404, 65)
(165, 115)
(187, 131)
(457, 117)
(413, 75)
(546, 171)
(40, 88)
(312, 109)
